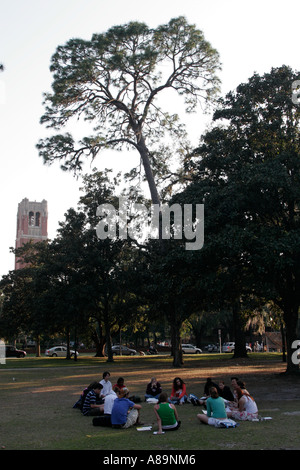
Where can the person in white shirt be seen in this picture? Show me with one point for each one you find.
(247, 407)
(109, 402)
(107, 387)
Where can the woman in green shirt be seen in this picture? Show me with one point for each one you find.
(215, 409)
(166, 414)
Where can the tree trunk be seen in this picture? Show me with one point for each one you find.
(110, 357)
(144, 153)
(239, 333)
(38, 346)
(197, 332)
(290, 314)
(68, 344)
(98, 340)
(75, 344)
(283, 343)
(176, 342)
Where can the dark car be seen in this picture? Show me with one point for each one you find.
(213, 348)
(11, 351)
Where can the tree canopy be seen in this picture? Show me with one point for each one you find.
(247, 171)
(114, 81)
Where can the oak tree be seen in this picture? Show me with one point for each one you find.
(247, 171)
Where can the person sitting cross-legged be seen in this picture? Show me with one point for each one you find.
(178, 394)
(125, 413)
(153, 389)
(247, 408)
(215, 406)
(90, 406)
(166, 415)
(105, 419)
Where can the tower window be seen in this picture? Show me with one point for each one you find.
(31, 219)
(34, 219)
(37, 219)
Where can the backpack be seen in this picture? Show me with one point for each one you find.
(135, 399)
(226, 423)
(80, 402)
(192, 399)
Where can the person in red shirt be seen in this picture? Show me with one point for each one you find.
(178, 395)
(120, 384)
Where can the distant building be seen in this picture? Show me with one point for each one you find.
(32, 222)
(273, 341)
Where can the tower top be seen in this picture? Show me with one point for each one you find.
(26, 205)
(32, 222)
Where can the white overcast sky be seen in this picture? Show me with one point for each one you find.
(250, 36)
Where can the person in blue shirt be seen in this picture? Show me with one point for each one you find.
(125, 413)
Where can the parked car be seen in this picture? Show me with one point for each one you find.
(190, 349)
(11, 351)
(59, 351)
(124, 350)
(230, 346)
(212, 348)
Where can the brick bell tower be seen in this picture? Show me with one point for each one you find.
(32, 221)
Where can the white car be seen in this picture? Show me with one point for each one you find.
(59, 351)
(190, 349)
(230, 346)
(124, 350)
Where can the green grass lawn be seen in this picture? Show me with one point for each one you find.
(37, 395)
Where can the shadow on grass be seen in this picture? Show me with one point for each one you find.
(38, 395)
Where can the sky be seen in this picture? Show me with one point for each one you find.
(250, 36)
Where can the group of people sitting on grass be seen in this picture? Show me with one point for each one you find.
(112, 405)
(109, 405)
(222, 403)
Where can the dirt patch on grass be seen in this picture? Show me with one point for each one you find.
(264, 378)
